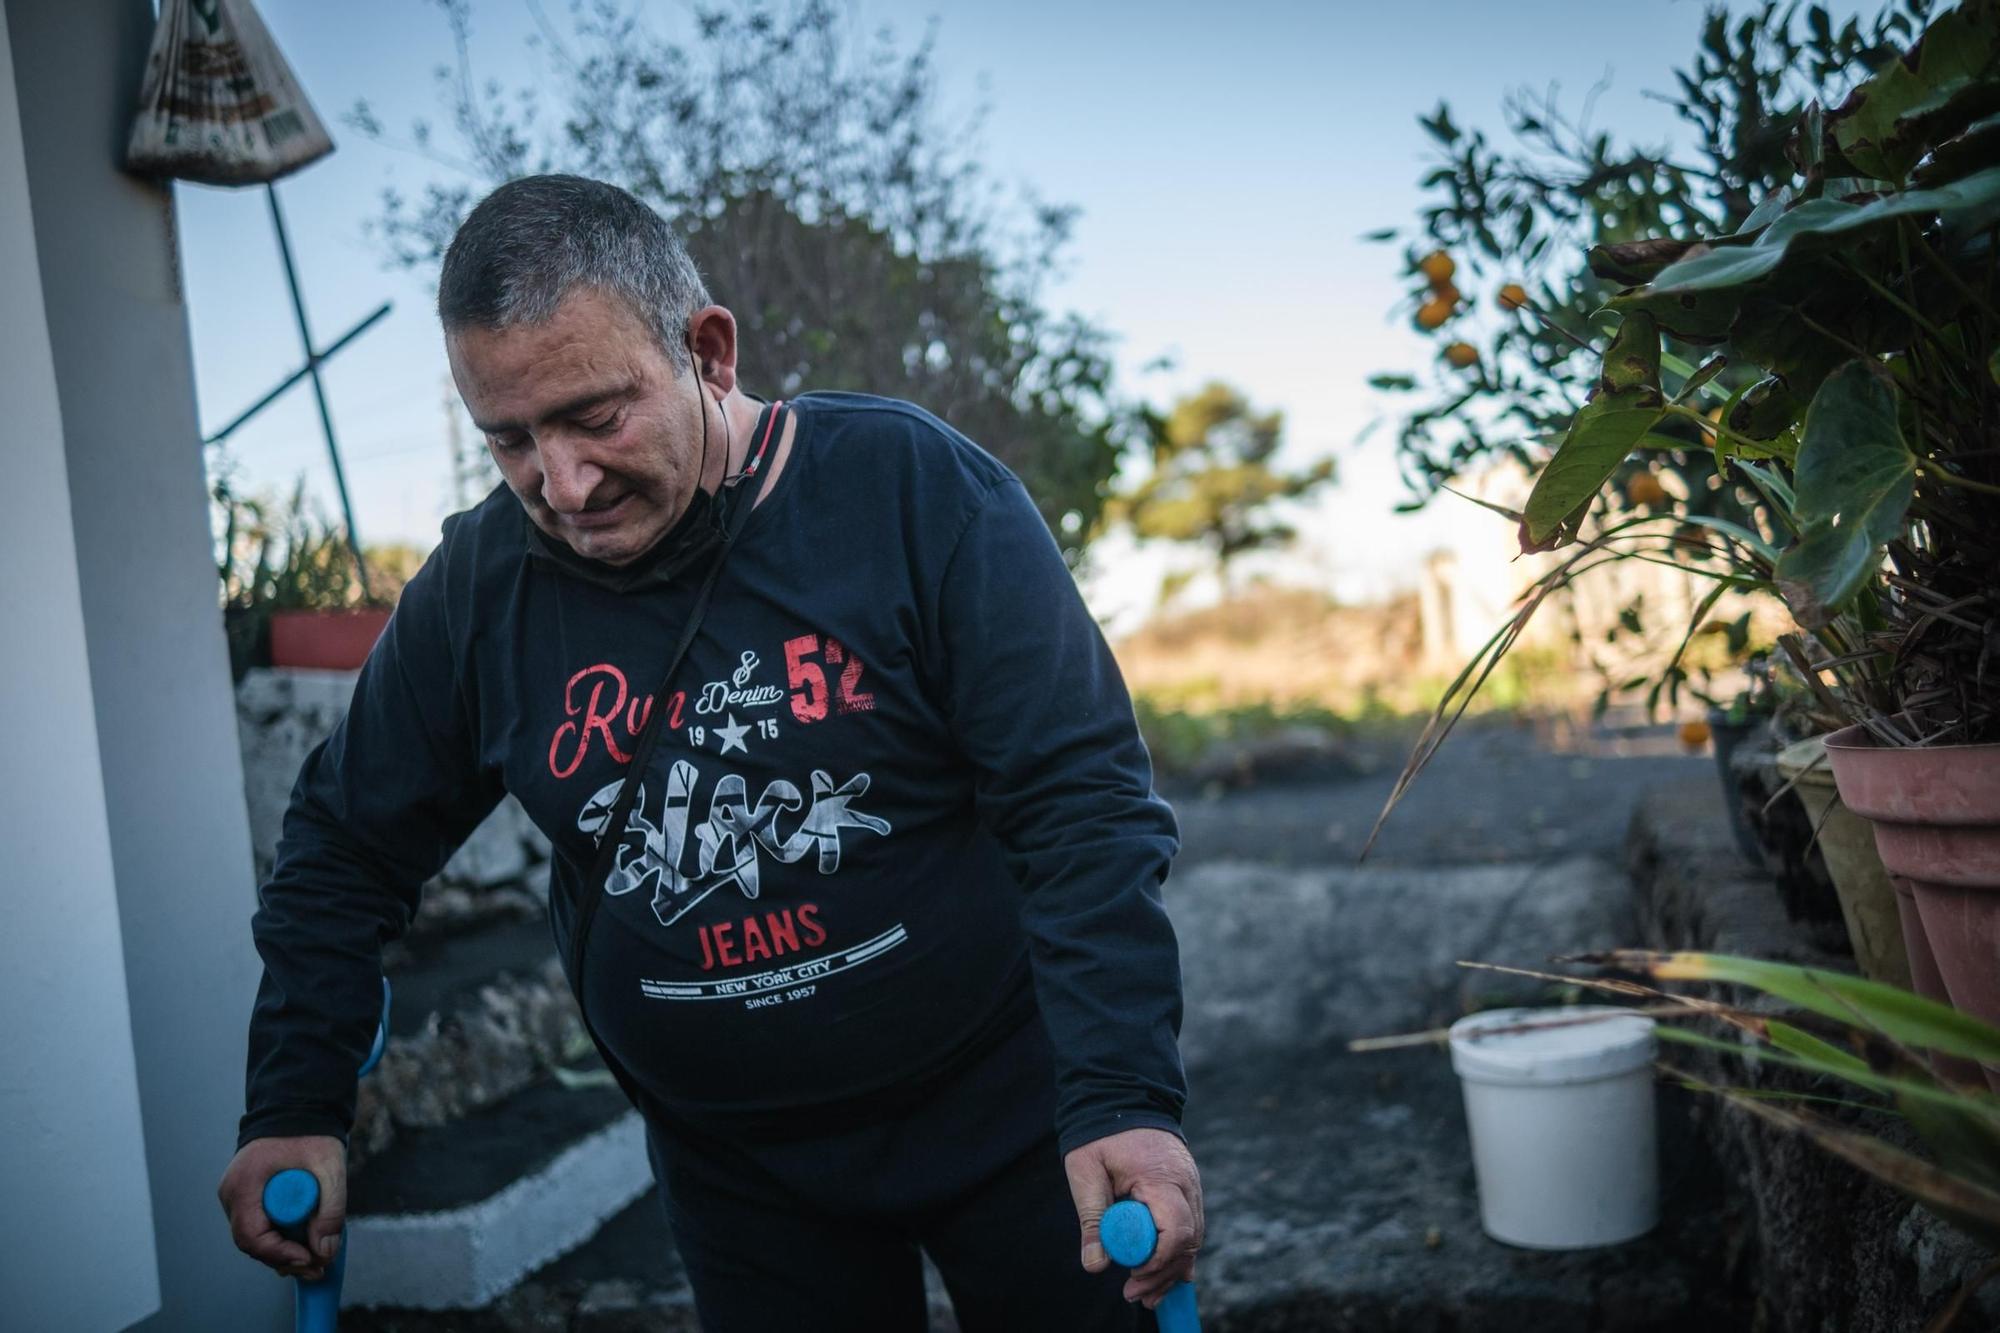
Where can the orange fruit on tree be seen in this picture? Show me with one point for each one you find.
(1715, 415)
(1437, 267)
(1434, 312)
(1462, 355)
(1513, 296)
(1694, 735)
(1645, 489)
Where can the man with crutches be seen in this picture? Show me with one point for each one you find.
(856, 865)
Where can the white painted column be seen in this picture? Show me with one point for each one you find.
(76, 1233)
(164, 737)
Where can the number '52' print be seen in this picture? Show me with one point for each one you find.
(808, 679)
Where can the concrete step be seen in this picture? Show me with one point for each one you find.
(450, 1218)
(460, 1191)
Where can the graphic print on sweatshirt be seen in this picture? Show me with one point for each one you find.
(731, 835)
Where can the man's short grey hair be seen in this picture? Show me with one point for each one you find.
(535, 240)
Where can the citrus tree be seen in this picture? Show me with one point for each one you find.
(1496, 259)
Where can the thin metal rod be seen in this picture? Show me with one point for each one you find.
(296, 376)
(319, 390)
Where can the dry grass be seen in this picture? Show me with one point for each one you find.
(1285, 647)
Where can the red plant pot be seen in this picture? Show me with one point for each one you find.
(328, 640)
(1936, 811)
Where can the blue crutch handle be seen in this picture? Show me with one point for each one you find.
(1129, 1235)
(290, 1199)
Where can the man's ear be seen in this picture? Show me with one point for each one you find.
(712, 339)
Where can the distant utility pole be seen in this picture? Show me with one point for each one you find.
(470, 479)
(455, 439)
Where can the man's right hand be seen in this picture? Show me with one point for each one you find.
(242, 1196)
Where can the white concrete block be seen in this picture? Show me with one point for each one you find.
(462, 1258)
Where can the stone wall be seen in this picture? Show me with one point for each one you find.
(282, 713)
(1834, 1252)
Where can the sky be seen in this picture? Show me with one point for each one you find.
(1227, 161)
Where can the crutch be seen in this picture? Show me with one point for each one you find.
(290, 1199)
(1129, 1235)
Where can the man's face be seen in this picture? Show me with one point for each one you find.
(590, 426)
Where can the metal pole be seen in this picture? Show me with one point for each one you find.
(296, 376)
(319, 390)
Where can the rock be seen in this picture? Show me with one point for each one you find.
(460, 1062)
(280, 716)
(282, 713)
(1292, 752)
(497, 851)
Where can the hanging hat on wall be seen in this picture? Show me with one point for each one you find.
(219, 104)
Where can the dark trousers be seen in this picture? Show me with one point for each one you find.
(823, 1233)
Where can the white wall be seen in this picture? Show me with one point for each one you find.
(76, 1233)
(158, 676)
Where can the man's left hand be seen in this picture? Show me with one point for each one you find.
(1154, 1167)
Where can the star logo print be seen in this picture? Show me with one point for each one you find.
(732, 735)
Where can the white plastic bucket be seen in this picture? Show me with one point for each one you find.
(1562, 1121)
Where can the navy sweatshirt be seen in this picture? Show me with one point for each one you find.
(901, 805)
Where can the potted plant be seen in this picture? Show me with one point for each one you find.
(1864, 297)
(1871, 299)
(290, 593)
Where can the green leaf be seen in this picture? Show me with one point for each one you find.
(1895, 1013)
(1768, 211)
(1917, 1088)
(1766, 411)
(1772, 332)
(1820, 224)
(1694, 316)
(1855, 480)
(1889, 123)
(1787, 1037)
(1974, 150)
(1440, 126)
(1694, 380)
(1633, 359)
(1763, 549)
(1629, 262)
(1806, 146)
(1628, 404)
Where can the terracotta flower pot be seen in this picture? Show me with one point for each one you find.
(1936, 811)
(328, 640)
